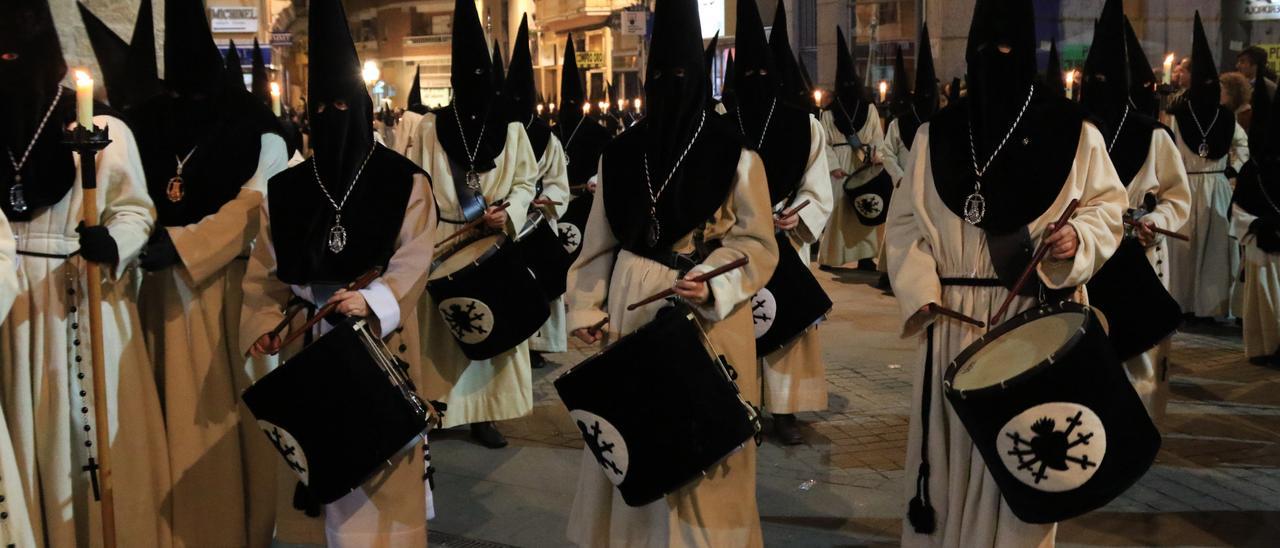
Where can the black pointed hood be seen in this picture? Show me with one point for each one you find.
(232, 65)
(112, 53)
(1104, 82)
(998, 82)
(341, 139)
(709, 56)
(900, 95)
(414, 100)
(727, 95)
(141, 69)
(924, 100)
(27, 30)
(849, 105)
(1142, 79)
(1055, 82)
(953, 95)
(520, 93)
(1201, 119)
(475, 98)
(1260, 128)
(572, 96)
(1205, 91)
(192, 64)
(261, 80)
(498, 77)
(795, 88)
(1258, 185)
(754, 73)
(675, 81)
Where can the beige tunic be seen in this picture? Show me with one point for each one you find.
(847, 240)
(554, 174)
(1164, 176)
(406, 132)
(390, 509)
(1203, 270)
(1261, 313)
(795, 376)
(223, 478)
(895, 155)
(720, 508)
(928, 242)
(16, 530)
(40, 385)
(500, 388)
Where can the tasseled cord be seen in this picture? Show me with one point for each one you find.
(920, 511)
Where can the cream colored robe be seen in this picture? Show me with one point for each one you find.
(1261, 313)
(928, 242)
(795, 376)
(16, 530)
(847, 240)
(38, 372)
(407, 132)
(222, 467)
(554, 174)
(502, 387)
(1203, 270)
(895, 155)
(390, 510)
(1164, 176)
(720, 508)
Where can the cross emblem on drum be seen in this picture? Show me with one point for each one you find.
(1050, 448)
(287, 451)
(463, 321)
(592, 437)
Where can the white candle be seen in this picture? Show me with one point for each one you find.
(586, 108)
(539, 107)
(275, 99)
(84, 100)
(637, 105)
(817, 97)
(553, 107)
(603, 105)
(884, 90)
(622, 104)
(1071, 79)
(1168, 69)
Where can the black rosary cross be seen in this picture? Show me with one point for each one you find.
(92, 468)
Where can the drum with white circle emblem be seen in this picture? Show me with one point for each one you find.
(1047, 403)
(790, 304)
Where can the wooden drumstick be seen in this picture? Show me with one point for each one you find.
(699, 279)
(501, 206)
(546, 202)
(787, 214)
(1160, 231)
(944, 311)
(596, 327)
(1041, 251)
(360, 283)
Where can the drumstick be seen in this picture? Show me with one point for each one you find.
(792, 212)
(944, 311)
(501, 206)
(699, 279)
(360, 283)
(1160, 231)
(596, 327)
(546, 202)
(1041, 251)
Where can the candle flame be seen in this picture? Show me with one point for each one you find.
(1168, 60)
(539, 108)
(275, 89)
(1071, 77)
(817, 97)
(83, 78)
(586, 108)
(622, 104)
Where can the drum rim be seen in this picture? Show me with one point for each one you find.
(688, 313)
(532, 221)
(503, 239)
(1024, 317)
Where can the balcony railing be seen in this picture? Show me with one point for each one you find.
(426, 40)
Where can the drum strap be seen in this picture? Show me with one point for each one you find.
(920, 510)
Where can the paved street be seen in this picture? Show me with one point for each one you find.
(1216, 482)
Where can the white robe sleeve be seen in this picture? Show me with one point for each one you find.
(524, 167)
(912, 267)
(893, 153)
(1239, 149)
(555, 178)
(8, 267)
(207, 246)
(264, 295)
(590, 274)
(815, 187)
(1240, 221)
(124, 206)
(394, 294)
(1173, 194)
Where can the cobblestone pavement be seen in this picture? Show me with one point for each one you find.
(1216, 481)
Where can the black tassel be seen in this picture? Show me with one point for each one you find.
(303, 501)
(920, 512)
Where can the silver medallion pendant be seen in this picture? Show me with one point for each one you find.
(337, 238)
(975, 208)
(17, 198)
(1204, 150)
(174, 189)
(473, 180)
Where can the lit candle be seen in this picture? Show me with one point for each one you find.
(817, 97)
(84, 100)
(1071, 80)
(553, 107)
(539, 107)
(586, 108)
(604, 105)
(275, 99)
(622, 104)
(1168, 69)
(637, 105)
(884, 90)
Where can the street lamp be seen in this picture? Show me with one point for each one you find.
(370, 73)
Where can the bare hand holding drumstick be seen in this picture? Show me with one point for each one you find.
(1063, 241)
(495, 217)
(266, 345)
(691, 291)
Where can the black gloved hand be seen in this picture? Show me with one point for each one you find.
(159, 252)
(97, 245)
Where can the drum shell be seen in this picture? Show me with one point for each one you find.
(870, 200)
(799, 300)
(503, 284)
(573, 225)
(543, 252)
(671, 399)
(1085, 372)
(341, 409)
(1140, 312)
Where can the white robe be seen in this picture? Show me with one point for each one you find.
(390, 509)
(1261, 313)
(1203, 270)
(554, 174)
(1164, 176)
(39, 374)
(502, 387)
(718, 509)
(928, 242)
(795, 376)
(895, 155)
(406, 132)
(222, 467)
(17, 530)
(846, 239)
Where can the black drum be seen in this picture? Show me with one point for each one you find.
(1049, 406)
(339, 410)
(869, 192)
(1138, 310)
(791, 303)
(573, 224)
(540, 247)
(658, 407)
(487, 296)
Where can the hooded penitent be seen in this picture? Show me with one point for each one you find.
(1027, 174)
(572, 96)
(583, 140)
(849, 107)
(1257, 189)
(415, 93)
(709, 59)
(232, 65)
(795, 89)
(520, 93)
(679, 144)
(778, 131)
(1201, 119)
(1054, 81)
(31, 69)
(1142, 79)
(473, 129)
(1105, 89)
(900, 94)
(924, 100)
(205, 120)
(141, 67)
(375, 180)
(261, 81)
(498, 77)
(112, 53)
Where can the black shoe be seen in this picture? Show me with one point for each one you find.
(486, 434)
(868, 265)
(786, 429)
(536, 359)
